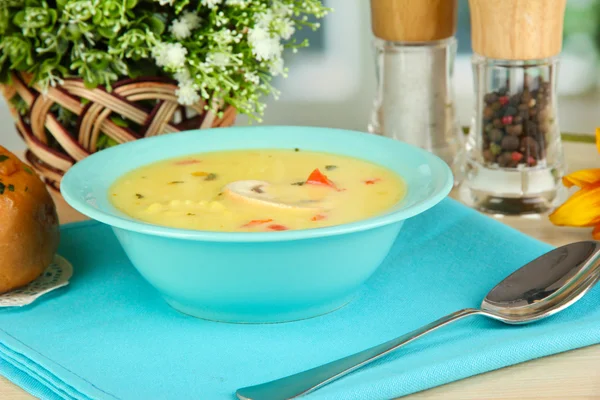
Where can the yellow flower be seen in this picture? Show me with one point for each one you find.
(583, 208)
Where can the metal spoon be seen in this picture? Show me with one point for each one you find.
(537, 290)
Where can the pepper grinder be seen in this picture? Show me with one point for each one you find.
(514, 160)
(415, 50)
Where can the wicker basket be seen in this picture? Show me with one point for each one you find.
(40, 127)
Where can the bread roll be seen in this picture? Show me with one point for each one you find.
(29, 231)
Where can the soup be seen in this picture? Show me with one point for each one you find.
(257, 191)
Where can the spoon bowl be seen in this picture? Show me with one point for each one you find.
(546, 285)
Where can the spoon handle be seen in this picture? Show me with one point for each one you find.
(304, 382)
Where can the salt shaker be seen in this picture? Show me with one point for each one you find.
(514, 160)
(415, 50)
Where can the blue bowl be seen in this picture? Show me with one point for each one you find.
(257, 277)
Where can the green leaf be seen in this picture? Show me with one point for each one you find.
(107, 32)
(19, 18)
(90, 84)
(129, 4)
(155, 24)
(119, 121)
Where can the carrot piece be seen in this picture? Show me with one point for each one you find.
(187, 162)
(372, 181)
(277, 227)
(256, 222)
(318, 178)
(318, 217)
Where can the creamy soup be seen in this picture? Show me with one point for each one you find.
(257, 191)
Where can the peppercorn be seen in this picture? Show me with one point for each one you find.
(495, 149)
(512, 111)
(497, 123)
(529, 146)
(514, 130)
(489, 156)
(490, 98)
(515, 100)
(505, 159)
(516, 156)
(488, 113)
(507, 119)
(495, 135)
(510, 143)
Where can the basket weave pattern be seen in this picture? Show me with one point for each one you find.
(94, 118)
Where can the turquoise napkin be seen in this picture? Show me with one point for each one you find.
(109, 336)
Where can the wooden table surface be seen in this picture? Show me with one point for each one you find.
(571, 375)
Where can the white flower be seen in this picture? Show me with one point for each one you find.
(223, 36)
(240, 3)
(182, 75)
(159, 52)
(276, 67)
(187, 93)
(166, 2)
(191, 19)
(252, 77)
(170, 55)
(264, 47)
(263, 20)
(281, 9)
(219, 59)
(211, 3)
(285, 28)
(180, 29)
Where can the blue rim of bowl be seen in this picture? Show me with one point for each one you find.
(249, 237)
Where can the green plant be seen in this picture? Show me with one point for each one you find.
(224, 50)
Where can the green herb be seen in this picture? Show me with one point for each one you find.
(3, 157)
(2, 188)
(191, 214)
(298, 183)
(210, 177)
(330, 167)
(296, 149)
(175, 182)
(105, 142)
(139, 196)
(11, 188)
(28, 170)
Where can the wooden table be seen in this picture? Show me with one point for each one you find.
(571, 375)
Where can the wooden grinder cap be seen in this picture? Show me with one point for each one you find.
(517, 29)
(413, 20)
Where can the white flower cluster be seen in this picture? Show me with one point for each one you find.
(241, 42)
(187, 89)
(182, 27)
